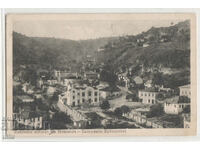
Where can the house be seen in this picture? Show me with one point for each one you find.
(27, 88)
(40, 83)
(91, 75)
(162, 88)
(185, 91)
(52, 82)
(64, 74)
(110, 91)
(138, 80)
(148, 96)
(173, 106)
(51, 90)
(25, 98)
(70, 80)
(145, 45)
(148, 84)
(77, 95)
(28, 123)
(102, 85)
(186, 120)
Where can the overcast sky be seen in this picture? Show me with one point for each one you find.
(85, 29)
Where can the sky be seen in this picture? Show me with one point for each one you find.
(87, 29)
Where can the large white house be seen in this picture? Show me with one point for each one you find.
(77, 95)
(185, 91)
(148, 96)
(172, 106)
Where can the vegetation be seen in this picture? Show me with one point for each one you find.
(120, 110)
(105, 105)
(184, 99)
(59, 120)
(155, 111)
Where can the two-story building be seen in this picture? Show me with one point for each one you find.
(77, 95)
(185, 90)
(148, 96)
(173, 106)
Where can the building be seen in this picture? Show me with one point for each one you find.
(138, 80)
(148, 96)
(172, 106)
(27, 123)
(64, 74)
(185, 91)
(70, 80)
(91, 75)
(25, 98)
(186, 120)
(52, 82)
(148, 84)
(77, 95)
(109, 92)
(27, 88)
(51, 90)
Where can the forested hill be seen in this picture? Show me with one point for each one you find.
(44, 52)
(166, 46)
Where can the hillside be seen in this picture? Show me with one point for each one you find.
(167, 46)
(52, 52)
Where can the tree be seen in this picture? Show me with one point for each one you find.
(186, 109)
(105, 105)
(59, 120)
(158, 79)
(160, 96)
(155, 111)
(120, 110)
(184, 99)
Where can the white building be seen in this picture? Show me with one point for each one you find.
(52, 82)
(147, 96)
(25, 98)
(185, 91)
(77, 95)
(172, 106)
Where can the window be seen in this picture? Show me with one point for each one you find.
(149, 101)
(73, 97)
(83, 93)
(95, 99)
(149, 94)
(73, 91)
(90, 100)
(152, 101)
(83, 100)
(78, 93)
(145, 94)
(89, 93)
(95, 93)
(152, 94)
(78, 101)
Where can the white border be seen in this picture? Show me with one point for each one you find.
(104, 10)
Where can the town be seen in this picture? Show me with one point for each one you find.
(134, 82)
(61, 99)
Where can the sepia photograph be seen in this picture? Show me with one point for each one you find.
(101, 74)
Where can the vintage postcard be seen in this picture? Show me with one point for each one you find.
(101, 74)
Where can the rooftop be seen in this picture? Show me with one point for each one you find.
(185, 86)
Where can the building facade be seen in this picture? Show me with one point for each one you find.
(76, 96)
(148, 97)
(172, 106)
(185, 91)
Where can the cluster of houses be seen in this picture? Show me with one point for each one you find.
(172, 106)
